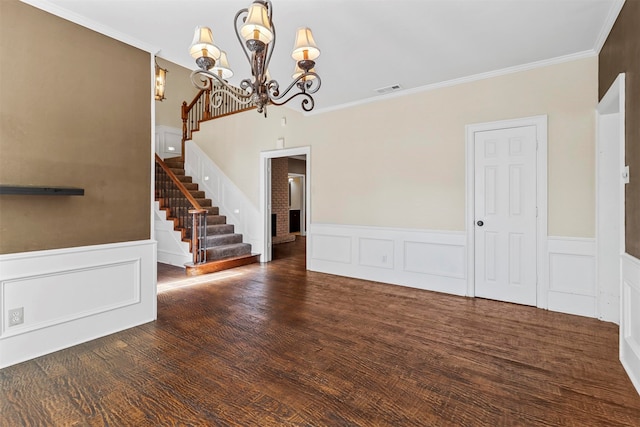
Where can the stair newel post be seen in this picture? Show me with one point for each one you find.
(198, 235)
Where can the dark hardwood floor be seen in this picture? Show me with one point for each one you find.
(275, 345)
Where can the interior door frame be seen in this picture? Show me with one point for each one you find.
(613, 102)
(540, 122)
(265, 193)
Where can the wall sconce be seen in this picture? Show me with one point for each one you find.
(161, 81)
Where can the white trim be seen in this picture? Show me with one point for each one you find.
(74, 295)
(541, 184)
(616, 7)
(461, 80)
(629, 331)
(152, 70)
(265, 193)
(613, 102)
(92, 25)
(571, 275)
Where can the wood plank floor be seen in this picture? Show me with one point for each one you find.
(275, 345)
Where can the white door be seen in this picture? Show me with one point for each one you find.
(505, 214)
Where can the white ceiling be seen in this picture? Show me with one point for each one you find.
(367, 44)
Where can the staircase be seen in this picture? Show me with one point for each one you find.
(224, 248)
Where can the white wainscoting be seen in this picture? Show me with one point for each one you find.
(436, 260)
(74, 295)
(572, 276)
(168, 141)
(431, 260)
(232, 202)
(630, 325)
(171, 249)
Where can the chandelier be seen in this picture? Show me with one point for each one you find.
(255, 26)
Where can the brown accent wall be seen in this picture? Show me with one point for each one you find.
(621, 54)
(74, 111)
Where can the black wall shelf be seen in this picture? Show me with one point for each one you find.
(34, 190)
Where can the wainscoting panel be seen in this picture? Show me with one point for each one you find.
(376, 252)
(331, 248)
(436, 259)
(69, 296)
(168, 141)
(571, 276)
(630, 324)
(232, 202)
(430, 260)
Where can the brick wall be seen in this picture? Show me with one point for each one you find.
(280, 199)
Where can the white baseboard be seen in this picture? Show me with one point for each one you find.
(630, 324)
(572, 276)
(74, 295)
(431, 260)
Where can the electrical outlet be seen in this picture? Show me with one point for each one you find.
(16, 316)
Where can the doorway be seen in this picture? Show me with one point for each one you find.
(275, 216)
(506, 209)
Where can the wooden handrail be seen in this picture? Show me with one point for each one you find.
(197, 214)
(179, 184)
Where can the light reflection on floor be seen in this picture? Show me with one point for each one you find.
(197, 280)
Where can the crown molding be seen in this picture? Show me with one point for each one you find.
(609, 22)
(63, 13)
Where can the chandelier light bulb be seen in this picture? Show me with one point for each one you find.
(305, 48)
(203, 46)
(257, 25)
(222, 68)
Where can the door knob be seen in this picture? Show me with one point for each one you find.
(480, 223)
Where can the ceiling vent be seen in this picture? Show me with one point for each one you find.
(389, 89)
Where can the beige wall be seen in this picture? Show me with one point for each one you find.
(400, 162)
(74, 111)
(178, 89)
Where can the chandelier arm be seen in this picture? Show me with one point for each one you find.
(308, 99)
(206, 84)
(247, 85)
(309, 86)
(244, 48)
(271, 45)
